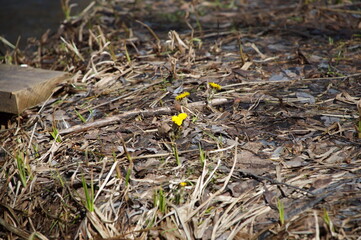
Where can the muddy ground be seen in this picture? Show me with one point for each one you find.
(267, 147)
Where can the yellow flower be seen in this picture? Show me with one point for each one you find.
(179, 119)
(183, 184)
(215, 85)
(182, 95)
(182, 116)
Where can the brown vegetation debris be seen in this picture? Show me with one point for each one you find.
(272, 153)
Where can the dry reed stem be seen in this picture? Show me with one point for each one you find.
(131, 114)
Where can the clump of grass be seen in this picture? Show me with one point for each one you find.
(160, 200)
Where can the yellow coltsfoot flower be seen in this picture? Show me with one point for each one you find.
(182, 116)
(179, 119)
(215, 86)
(183, 184)
(182, 95)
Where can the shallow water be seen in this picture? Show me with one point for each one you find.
(31, 18)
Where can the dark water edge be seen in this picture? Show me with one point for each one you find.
(32, 18)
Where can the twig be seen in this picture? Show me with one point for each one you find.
(340, 10)
(17, 231)
(119, 97)
(292, 80)
(145, 113)
(272, 181)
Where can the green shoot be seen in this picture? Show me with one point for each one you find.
(330, 41)
(242, 55)
(36, 150)
(327, 220)
(160, 200)
(129, 157)
(89, 197)
(66, 7)
(21, 168)
(180, 193)
(198, 41)
(194, 119)
(169, 230)
(281, 211)
(202, 155)
(209, 210)
(176, 155)
(127, 53)
(117, 169)
(130, 168)
(358, 124)
(56, 176)
(127, 176)
(80, 116)
(55, 134)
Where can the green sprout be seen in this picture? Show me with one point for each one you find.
(127, 53)
(281, 211)
(80, 116)
(127, 176)
(131, 164)
(176, 155)
(89, 197)
(358, 128)
(55, 134)
(22, 169)
(66, 7)
(202, 155)
(327, 220)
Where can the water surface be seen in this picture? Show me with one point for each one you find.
(31, 18)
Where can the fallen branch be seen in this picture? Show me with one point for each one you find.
(145, 113)
(233, 86)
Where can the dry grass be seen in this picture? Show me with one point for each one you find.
(273, 153)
